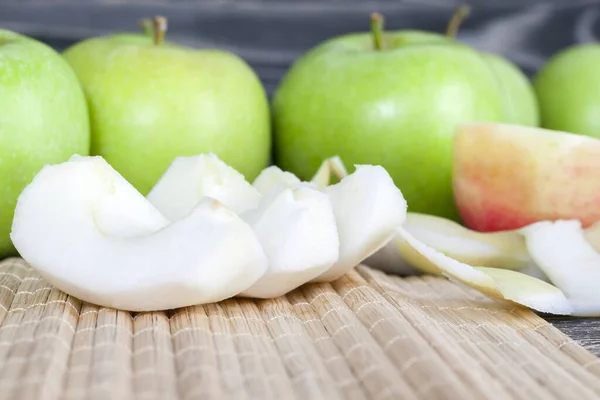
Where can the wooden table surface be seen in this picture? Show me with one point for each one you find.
(271, 34)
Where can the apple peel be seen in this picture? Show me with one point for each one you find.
(495, 282)
(207, 256)
(191, 178)
(297, 229)
(502, 249)
(561, 250)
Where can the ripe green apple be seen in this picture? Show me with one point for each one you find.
(151, 102)
(392, 99)
(519, 101)
(44, 119)
(518, 96)
(567, 87)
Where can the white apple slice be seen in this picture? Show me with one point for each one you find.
(368, 207)
(297, 230)
(65, 226)
(561, 250)
(333, 165)
(189, 179)
(116, 218)
(271, 177)
(500, 283)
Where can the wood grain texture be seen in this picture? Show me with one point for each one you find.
(367, 335)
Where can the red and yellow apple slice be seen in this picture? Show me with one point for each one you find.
(508, 176)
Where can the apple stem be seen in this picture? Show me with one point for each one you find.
(147, 27)
(377, 30)
(459, 15)
(160, 29)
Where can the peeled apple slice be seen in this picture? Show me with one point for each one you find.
(500, 283)
(271, 177)
(502, 249)
(64, 227)
(333, 165)
(368, 207)
(189, 179)
(561, 250)
(297, 230)
(116, 218)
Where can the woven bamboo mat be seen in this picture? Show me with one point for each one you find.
(366, 336)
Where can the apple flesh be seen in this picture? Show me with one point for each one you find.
(273, 177)
(368, 207)
(189, 179)
(88, 232)
(44, 119)
(508, 176)
(297, 229)
(151, 102)
(561, 250)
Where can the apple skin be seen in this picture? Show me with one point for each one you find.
(44, 119)
(519, 99)
(567, 87)
(151, 103)
(397, 107)
(508, 176)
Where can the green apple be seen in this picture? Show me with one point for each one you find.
(44, 119)
(519, 101)
(392, 99)
(518, 96)
(567, 87)
(151, 102)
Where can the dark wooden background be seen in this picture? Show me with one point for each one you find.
(271, 34)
